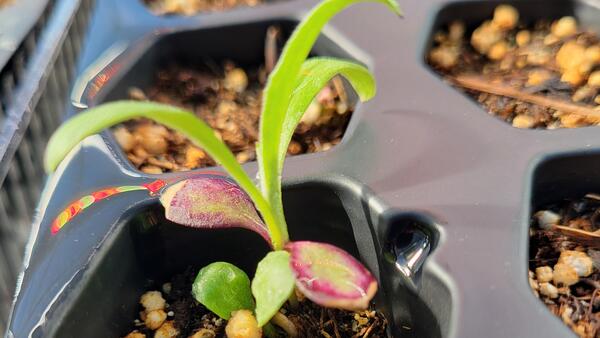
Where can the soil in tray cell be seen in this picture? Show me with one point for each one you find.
(191, 7)
(545, 75)
(173, 312)
(565, 262)
(228, 98)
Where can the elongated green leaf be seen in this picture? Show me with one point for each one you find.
(272, 285)
(223, 288)
(107, 115)
(279, 90)
(314, 75)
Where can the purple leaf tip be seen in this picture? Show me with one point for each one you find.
(331, 277)
(211, 203)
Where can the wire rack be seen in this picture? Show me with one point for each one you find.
(34, 86)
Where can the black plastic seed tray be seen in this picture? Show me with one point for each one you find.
(428, 190)
(41, 41)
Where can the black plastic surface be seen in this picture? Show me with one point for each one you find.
(149, 248)
(418, 155)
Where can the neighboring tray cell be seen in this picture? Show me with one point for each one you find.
(217, 73)
(193, 7)
(532, 64)
(564, 240)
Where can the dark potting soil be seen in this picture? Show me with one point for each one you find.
(191, 7)
(311, 320)
(228, 98)
(565, 262)
(544, 75)
(316, 321)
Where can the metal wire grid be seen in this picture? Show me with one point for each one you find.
(20, 190)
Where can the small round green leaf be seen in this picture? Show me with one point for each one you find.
(272, 285)
(223, 288)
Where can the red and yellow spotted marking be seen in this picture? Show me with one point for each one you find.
(76, 207)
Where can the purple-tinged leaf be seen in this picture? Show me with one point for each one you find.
(331, 277)
(211, 203)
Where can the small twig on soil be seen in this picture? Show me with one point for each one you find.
(325, 334)
(589, 310)
(335, 328)
(593, 196)
(271, 52)
(322, 319)
(366, 335)
(588, 238)
(474, 82)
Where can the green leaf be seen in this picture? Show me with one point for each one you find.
(223, 288)
(314, 75)
(272, 285)
(278, 94)
(94, 120)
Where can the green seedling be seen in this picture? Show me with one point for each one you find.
(325, 274)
